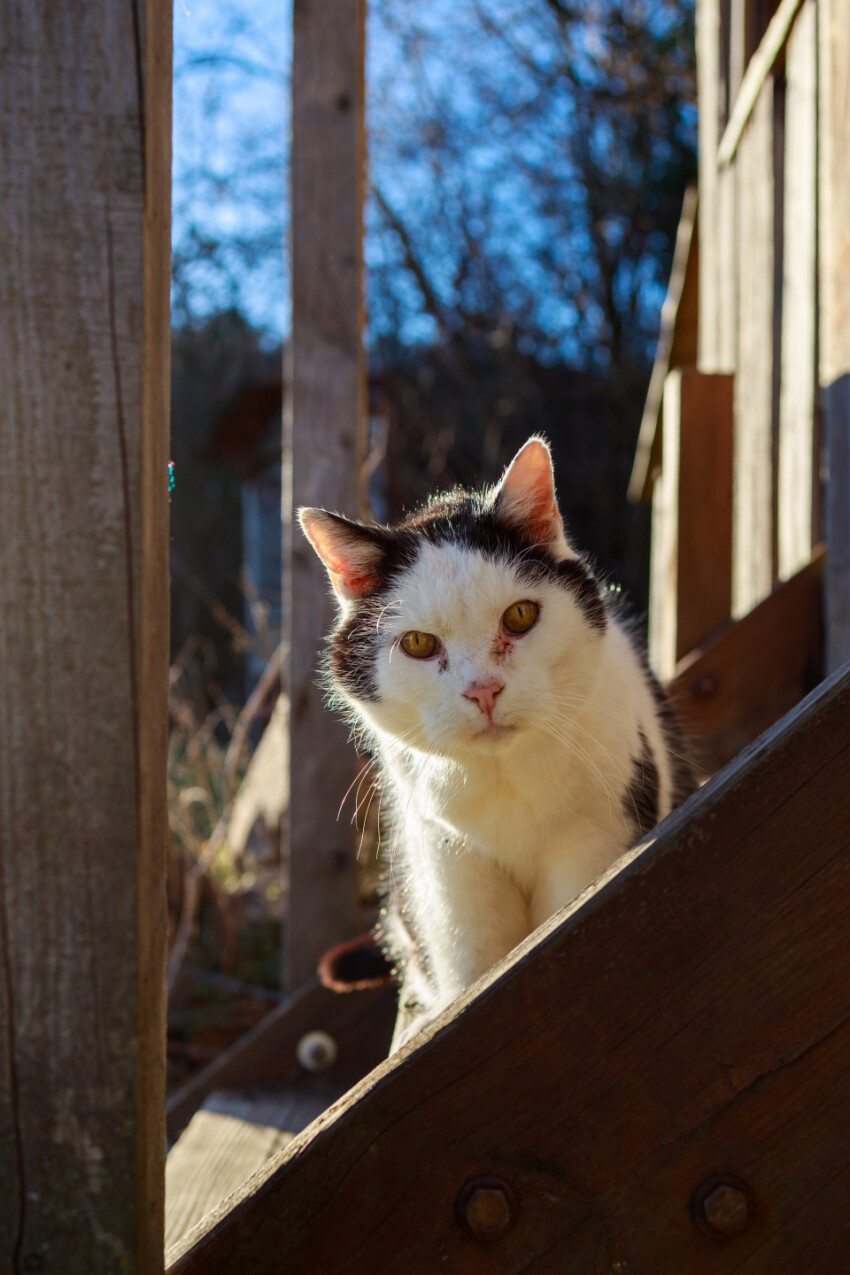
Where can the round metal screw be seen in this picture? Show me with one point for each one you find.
(316, 1051)
(486, 1208)
(723, 1206)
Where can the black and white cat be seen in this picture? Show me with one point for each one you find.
(523, 743)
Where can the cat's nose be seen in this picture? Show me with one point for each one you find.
(484, 694)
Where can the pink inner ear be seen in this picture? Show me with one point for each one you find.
(527, 492)
(347, 559)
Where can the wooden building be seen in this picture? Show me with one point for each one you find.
(656, 1080)
(744, 442)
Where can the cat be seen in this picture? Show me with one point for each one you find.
(524, 745)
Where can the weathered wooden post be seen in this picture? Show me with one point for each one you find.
(323, 432)
(834, 254)
(85, 146)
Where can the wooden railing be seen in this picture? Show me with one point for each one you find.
(654, 1081)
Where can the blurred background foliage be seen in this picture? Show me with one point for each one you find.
(527, 164)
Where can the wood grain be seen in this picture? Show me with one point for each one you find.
(759, 68)
(834, 298)
(84, 391)
(361, 1024)
(232, 1136)
(323, 450)
(797, 452)
(691, 564)
(753, 671)
(689, 1016)
(677, 346)
(753, 517)
(711, 95)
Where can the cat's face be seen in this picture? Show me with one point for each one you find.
(467, 626)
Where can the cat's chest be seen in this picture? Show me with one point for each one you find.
(513, 816)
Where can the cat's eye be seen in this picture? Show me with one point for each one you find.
(421, 646)
(520, 617)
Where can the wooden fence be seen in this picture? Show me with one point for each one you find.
(84, 288)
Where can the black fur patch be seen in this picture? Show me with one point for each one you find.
(640, 803)
(684, 777)
(587, 593)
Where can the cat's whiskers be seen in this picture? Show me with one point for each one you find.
(360, 773)
(583, 755)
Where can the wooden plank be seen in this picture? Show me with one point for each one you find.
(753, 518)
(757, 669)
(361, 1024)
(834, 333)
(232, 1136)
(677, 346)
(756, 77)
(689, 1017)
(712, 70)
(85, 135)
(691, 562)
(797, 459)
(704, 580)
(727, 281)
(324, 440)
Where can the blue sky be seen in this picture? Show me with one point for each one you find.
(231, 128)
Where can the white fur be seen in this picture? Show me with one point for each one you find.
(495, 829)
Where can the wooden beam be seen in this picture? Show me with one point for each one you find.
(834, 330)
(753, 518)
(85, 134)
(797, 452)
(689, 1017)
(361, 1024)
(755, 670)
(323, 426)
(677, 346)
(691, 565)
(756, 76)
(711, 92)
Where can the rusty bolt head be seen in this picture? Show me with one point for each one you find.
(486, 1208)
(723, 1206)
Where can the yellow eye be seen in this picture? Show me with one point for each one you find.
(420, 645)
(520, 617)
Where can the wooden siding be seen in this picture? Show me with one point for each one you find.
(797, 458)
(85, 136)
(688, 1017)
(691, 564)
(834, 267)
(323, 429)
(752, 563)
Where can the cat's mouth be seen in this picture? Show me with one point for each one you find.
(492, 731)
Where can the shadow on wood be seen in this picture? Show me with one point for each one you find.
(688, 1017)
(754, 670)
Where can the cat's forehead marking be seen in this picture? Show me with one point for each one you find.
(453, 585)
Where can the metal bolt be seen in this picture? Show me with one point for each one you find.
(723, 1206)
(486, 1208)
(316, 1051)
(705, 686)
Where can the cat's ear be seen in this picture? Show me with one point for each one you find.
(352, 553)
(525, 498)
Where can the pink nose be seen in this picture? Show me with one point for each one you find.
(484, 694)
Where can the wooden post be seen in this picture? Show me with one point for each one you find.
(753, 525)
(710, 83)
(834, 266)
(85, 136)
(691, 569)
(797, 460)
(323, 450)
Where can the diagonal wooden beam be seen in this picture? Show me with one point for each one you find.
(686, 1024)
